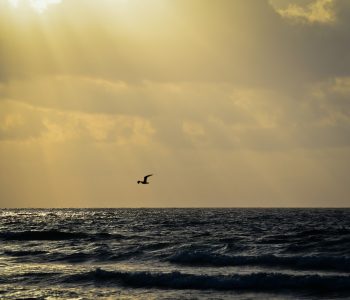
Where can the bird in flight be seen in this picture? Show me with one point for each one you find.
(144, 181)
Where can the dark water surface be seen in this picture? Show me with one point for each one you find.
(175, 253)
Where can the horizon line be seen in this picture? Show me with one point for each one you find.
(190, 207)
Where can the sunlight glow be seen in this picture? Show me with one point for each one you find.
(39, 5)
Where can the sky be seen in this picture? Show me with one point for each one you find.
(229, 103)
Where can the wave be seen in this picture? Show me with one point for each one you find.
(95, 255)
(178, 280)
(23, 252)
(201, 258)
(54, 235)
(29, 278)
(318, 232)
(337, 244)
(315, 236)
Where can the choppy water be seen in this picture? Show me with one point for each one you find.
(175, 254)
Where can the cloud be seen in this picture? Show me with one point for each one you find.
(148, 98)
(80, 93)
(183, 115)
(332, 100)
(23, 122)
(317, 11)
(19, 121)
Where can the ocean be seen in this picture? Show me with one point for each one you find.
(175, 253)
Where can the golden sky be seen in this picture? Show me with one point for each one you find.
(235, 103)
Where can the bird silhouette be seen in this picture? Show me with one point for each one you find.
(144, 181)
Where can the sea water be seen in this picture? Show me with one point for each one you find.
(174, 253)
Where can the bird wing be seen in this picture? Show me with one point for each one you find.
(145, 178)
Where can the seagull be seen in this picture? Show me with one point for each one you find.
(144, 179)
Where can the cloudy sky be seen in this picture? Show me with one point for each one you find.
(228, 102)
